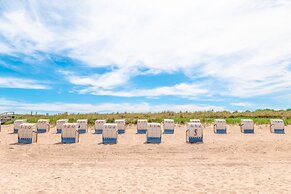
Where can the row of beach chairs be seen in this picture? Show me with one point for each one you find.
(27, 132)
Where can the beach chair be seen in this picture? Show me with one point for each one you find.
(194, 133)
(83, 125)
(27, 133)
(195, 121)
(70, 133)
(109, 133)
(247, 126)
(169, 126)
(219, 126)
(59, 124)
(120, 125)
(17, 124)
(154, 133)
(43, 125)
(142, 125)
(99, 126)
(277, 126)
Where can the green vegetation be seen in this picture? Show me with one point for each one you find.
(259, 116)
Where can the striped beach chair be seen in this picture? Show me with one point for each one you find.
(120, 125)
(109, 133)
(142, 125)
(99, 126)
(70, 133)
(247, 126)
(195, 121)
(194, 133)
(83, 125)
(169, 126)
(277, 126)
(43, 125)
(59, 124)
(17, 124)
(154, 133)
(27, 133)
(219, 126)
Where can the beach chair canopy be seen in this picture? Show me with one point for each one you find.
(109, 130)
(69, 130)
(195, 129)
(154, 130)
(142, 124)
(277, 123)
(26, 130)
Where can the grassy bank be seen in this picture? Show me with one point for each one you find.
(259, 116)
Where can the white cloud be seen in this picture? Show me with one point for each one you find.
(241, 104)
(24, 107)
(244, 45)
(182, 90)
(11, 82)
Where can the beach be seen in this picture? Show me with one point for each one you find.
(224, 163)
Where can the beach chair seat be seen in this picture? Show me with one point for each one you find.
(70, 133)
(120, 125)
(27, 133)
(154, 133)
(247, 126)
(142, 125)
(109, 133)
(219, 126)
(277, 126)
(194, 133)
(169, 126)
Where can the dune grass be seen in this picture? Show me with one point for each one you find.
(207, 117)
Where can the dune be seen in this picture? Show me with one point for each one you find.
(224, 163)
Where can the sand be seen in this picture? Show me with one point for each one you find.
(231, 163)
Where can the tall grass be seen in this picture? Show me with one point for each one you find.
(259, 116)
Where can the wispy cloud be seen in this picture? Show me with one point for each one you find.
(11, 82)
(181, 90)
(55, 107)
(241, 104)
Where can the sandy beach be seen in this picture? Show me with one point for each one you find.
(231, 163)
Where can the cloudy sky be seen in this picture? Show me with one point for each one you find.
(141, 56)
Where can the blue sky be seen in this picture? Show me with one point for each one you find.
(144, 56)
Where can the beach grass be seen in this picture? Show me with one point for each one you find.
(206, 117)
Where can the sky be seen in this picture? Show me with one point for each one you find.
(144, 56)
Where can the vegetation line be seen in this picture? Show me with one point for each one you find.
(259, 116)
